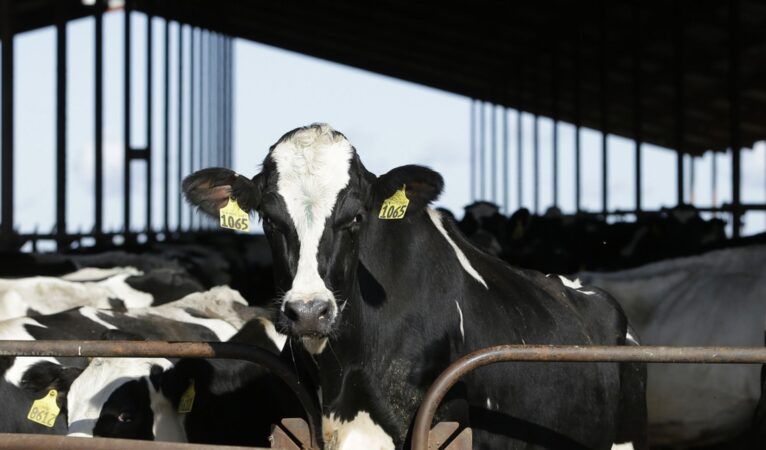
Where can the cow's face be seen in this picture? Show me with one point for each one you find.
(316, 201)
(121, 398)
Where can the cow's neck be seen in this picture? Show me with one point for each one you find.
(396, 292)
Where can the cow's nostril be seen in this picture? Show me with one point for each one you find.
(323, 313)
(291, 312)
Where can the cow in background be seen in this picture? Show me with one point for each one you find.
(714, 299)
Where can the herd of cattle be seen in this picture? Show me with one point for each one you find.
(371, 308)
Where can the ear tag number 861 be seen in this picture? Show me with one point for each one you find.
(45, 410)
(232, 217)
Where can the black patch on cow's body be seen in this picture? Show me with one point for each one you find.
(127, 414)
(115, 304)
(165, 285)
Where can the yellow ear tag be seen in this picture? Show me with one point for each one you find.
(233, 217)
(45, 410)
(395, 206)
(187, 399)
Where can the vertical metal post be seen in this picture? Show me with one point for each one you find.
(126, 119)
(734, 114)
(519, 158)
(6, 19)
(482, 178)
(555, 108)
(149, 120)
(231, 66)
(204, 79)
(714, 180)
(61, 85)
(211, 102)
(192, 103)
(472, 134)
(577, 116)
(637, 95)
(180, 123)
(692, 181)
(229, 102)
(493, 166)
(166, 134)
(603, 109)
(536, 163)
(678, 57)
(98, 121)
(506, 181)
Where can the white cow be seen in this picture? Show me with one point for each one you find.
(716, 299)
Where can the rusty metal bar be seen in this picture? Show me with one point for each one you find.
(45, 442)
(157, 349)
(569, 353)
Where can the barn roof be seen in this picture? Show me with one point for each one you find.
(665, 72)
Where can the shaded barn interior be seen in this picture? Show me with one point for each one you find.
(683, 75)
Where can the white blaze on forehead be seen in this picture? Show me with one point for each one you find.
(91, 390)
(361, 432)
(313, 167)
(15, 330)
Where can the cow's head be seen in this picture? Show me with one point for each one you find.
(316, 201)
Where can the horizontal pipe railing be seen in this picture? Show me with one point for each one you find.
(11, 441)
(161, 349)
(569, 353)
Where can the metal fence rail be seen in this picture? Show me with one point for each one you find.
(46, 442)
(160, 349)
(569, 353)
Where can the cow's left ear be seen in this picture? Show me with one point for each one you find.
(210, 190)
(187, 372)
(422, 186)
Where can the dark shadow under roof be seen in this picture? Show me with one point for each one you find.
(663, 71)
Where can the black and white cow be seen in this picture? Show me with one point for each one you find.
(386, 305)
(208, 316)
(235, 402)
(103, 288)
(716, 299)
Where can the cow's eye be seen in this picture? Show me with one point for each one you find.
(125, 417)
(358, 218)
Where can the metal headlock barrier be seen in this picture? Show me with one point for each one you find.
(443, 435)
(563, 353)
(153, 349)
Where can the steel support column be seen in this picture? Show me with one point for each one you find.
(61, 119)
(678, 64)
(734, 114)
(6, 20)
(98, 122)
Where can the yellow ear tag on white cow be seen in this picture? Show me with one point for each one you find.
(45, 410)
(395, 206)
(233, 217)
(187, 399)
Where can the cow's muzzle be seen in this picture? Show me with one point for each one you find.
(308, 318)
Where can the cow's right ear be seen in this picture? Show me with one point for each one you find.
(210, 190)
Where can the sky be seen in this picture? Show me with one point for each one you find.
(389, 121)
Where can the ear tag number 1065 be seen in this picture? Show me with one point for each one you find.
(233, 217)
(395, 206)
(45, 410)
